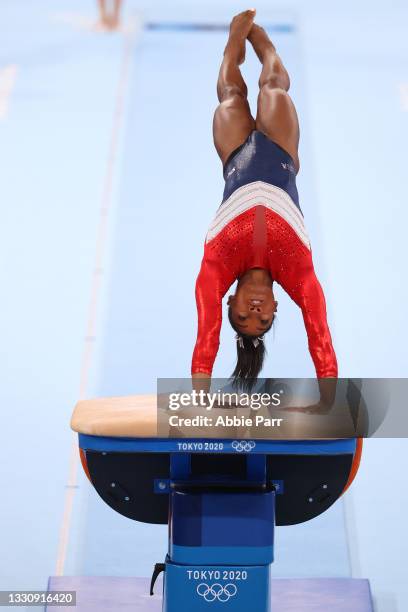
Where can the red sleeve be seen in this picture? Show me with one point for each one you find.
(212, 283)
(306, 291)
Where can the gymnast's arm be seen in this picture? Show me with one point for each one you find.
(305, 290)
(212, 283)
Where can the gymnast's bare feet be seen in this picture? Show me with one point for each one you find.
(239, 30)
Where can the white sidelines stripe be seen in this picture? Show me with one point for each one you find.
(8, 77)
(87, 355)
(403, 90)
(259, 193)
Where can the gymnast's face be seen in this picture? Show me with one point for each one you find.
(252, 309)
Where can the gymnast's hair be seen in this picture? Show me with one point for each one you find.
(250, 357)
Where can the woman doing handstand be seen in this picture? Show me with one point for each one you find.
(258, 236)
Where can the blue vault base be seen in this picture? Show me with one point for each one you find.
(117, 594)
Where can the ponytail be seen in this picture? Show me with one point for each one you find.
(250, 357)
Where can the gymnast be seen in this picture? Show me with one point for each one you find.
(258, 236)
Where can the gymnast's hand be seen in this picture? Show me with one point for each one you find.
(327, 390)
(201, 381)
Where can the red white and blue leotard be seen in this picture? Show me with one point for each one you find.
(260, 225)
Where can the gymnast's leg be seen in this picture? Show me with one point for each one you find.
(276, 114)
(233, 121)
(110, 18)
(103, 15)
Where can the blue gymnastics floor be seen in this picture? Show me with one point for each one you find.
(75, 177)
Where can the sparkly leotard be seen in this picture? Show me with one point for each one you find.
(260, 225)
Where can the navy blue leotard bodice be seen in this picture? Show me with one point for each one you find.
(260, 159)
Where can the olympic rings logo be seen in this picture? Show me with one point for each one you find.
(243, 446)
(217, 591)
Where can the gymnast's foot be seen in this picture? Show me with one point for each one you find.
(260, 41)
(112, 22)
(239, 31)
